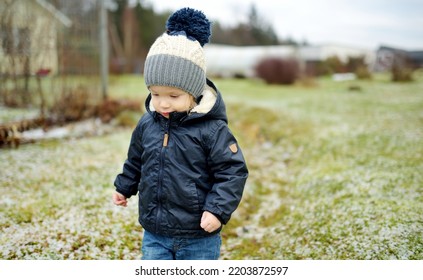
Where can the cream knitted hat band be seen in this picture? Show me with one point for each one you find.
(179, 45)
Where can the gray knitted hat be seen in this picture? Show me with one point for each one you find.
(177, 58)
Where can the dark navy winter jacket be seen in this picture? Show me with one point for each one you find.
(199, 167)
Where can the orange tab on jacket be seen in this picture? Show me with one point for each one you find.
(165, 140)
(233, 148)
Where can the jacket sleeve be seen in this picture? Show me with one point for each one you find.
(127, 182)
(229, 172)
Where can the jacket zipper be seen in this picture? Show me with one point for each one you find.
(160, 182)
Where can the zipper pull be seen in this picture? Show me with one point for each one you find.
(165, 139)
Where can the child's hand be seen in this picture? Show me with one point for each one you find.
(119, 199)
(209, 222)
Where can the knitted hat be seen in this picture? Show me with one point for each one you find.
(177, 58)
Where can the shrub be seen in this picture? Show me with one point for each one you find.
(402, 70)
(278, 70)
(359, 67)
(362, 72)
(400, 74)
(334, 64)
(74, 104)
(329, 66)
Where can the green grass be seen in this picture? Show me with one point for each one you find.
(334, 174)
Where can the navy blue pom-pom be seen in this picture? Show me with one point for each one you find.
(193, 22)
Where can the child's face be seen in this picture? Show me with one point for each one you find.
(169, 99)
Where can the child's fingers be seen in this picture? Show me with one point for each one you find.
(121, 203)
(119, 200)
(209, 222)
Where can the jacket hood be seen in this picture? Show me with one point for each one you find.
(210, 105)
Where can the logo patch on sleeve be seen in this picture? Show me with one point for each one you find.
(233, 148)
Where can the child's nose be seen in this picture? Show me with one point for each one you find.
(164, 103)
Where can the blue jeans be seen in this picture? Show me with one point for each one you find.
(157, 247)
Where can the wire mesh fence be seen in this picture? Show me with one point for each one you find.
(49, 56)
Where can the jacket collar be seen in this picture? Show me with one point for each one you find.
(210, 103)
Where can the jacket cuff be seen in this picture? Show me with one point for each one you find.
(218, 214)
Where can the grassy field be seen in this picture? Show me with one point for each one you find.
(334, 174)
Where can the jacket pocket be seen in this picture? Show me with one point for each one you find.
(147, 199)
(185, 198)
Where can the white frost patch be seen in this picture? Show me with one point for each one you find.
(75, 130)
